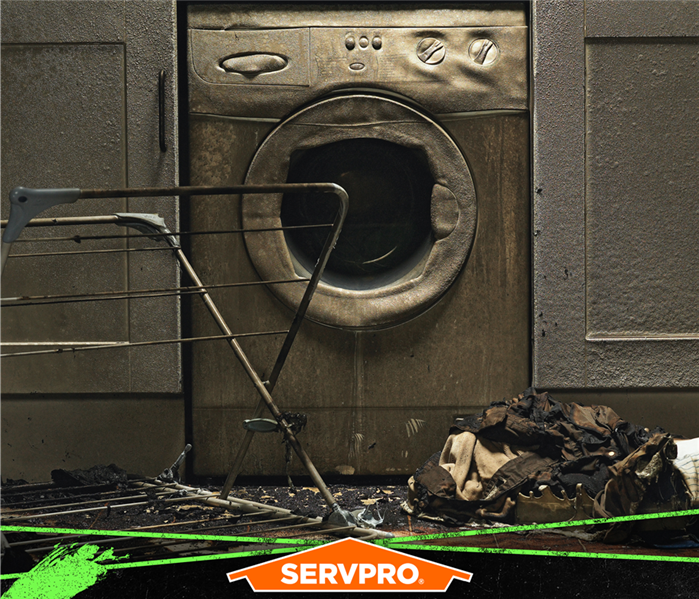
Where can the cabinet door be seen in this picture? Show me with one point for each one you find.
(616, 209)
(80, 108)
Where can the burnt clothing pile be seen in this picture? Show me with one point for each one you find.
(523, 445)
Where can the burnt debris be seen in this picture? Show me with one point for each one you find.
(521, 447)
(109, 476)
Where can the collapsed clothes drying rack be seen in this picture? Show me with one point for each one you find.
(26, 204)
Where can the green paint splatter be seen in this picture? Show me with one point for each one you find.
(62, 574)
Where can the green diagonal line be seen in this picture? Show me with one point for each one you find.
(182, 560)
(505, 529)
(300, 543)
(629, 556)
(203, 558)
(159, 535)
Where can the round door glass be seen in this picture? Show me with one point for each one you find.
(388, 229)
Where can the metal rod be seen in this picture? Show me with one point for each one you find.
(208, 529)
(84, 252)
(54, 540)
(243, 449)
(46, 486)
(100, 219)
(5, 248)
(245, 505)
(47, 539)
(38, 300)
(103, 502)
(106, 219)
(50, 500)
(265, 391)
(147, 192)
(114, 506)
(10, 519)
(185, 522)
(286, 347)
(81, 238)
(61, 350)
(257, 382)
(303, 534)
(253, 507)
(155, 544)
(28, 488)
(249, 523)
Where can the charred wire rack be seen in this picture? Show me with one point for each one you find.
(148, 519)
(26, 204)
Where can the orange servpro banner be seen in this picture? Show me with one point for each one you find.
(349, 565)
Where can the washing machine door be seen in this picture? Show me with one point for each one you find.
(411, 220)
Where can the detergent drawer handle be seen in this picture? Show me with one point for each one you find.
(251, 65)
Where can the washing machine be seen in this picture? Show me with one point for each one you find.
(420, 111)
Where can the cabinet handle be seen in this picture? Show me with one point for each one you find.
(161, 110)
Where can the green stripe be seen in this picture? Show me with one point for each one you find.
(629, 556)
(204, 558)
(158, 535)
(182, 560)
(504, 529)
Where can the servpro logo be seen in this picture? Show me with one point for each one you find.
(349, 565)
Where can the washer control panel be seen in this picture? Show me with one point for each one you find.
(476, 68)
(398, 54)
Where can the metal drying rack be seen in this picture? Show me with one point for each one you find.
(26, 204)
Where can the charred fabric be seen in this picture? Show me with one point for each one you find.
(579, 461)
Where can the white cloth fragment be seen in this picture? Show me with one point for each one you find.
(687, 462)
